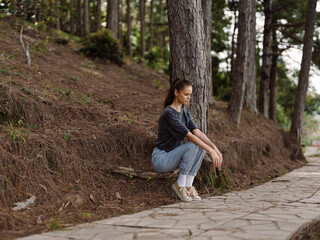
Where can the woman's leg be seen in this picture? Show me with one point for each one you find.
(182, 156)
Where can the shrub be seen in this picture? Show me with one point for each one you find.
(102, 44)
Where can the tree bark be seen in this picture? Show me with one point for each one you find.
(71, 18)
(250, 100)
(240, 75)
(142, 16)
(233, 48)
(299, 104)
(129, 29)
(273, 78)
(79, 17)
(112, 17)
(119, 24)
(188, 59)
(151, 27)
(266, 58)
(98, 14)
(86, 17)
(160, 33)
(207, 22)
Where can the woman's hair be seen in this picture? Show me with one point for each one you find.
(177, 84)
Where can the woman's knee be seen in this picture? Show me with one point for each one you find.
(192, 146)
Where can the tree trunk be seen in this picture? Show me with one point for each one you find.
(98, 14)
(207, 23)
(86, 17)
(112, 17)
(58, 26)
(142, 16)
(79, 25)
(188, 54)
(71, 18)
(129, 29)
(273, 78)
(151, 27)
(299, 104)
(266, 58)
(160, 33)
(250, 99)
(240, 74)
(119, 24)
(233, 49)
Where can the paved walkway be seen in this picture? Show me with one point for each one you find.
(274, 210)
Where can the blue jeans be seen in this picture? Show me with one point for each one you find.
(188, 157)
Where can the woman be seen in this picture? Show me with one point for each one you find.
(176, 124)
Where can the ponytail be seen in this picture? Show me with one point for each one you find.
(177, 84)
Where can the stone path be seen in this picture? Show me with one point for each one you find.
(274, 210)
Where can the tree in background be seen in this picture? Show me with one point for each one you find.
(299, 104)
(86, 16)
(250, 97)
(151, 27)
(207, 23)
(266, 58)
(112, 16)
(241, 65)
(129, 50)
(187, 54)
(142, 23)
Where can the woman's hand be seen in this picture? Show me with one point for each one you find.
(217, 161)
(218, 152)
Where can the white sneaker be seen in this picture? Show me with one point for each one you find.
(192, 192)
(181, 192)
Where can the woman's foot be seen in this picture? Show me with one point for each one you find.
(181, 192)
(192, 192)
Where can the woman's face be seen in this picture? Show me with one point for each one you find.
(183, 96)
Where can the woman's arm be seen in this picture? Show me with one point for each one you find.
(206, 140)
(196, 140)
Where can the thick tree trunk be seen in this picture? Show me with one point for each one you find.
(250, 100)
(79, 17)
(98, 14)
(188, 54)
(160, 33)
(207, 22)
(299, 104)
(129, 29)
(151, 27)
(142, 16)
(112, 17)
(71, 18)
(86, 17)
(241, 63)
(273, 78)
(266, 58)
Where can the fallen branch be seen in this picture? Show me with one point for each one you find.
(25, 49)
(139, 173)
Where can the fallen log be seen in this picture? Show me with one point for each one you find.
(131, 172)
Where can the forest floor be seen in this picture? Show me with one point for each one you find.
(71, 116)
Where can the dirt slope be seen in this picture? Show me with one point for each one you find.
(71, 116)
